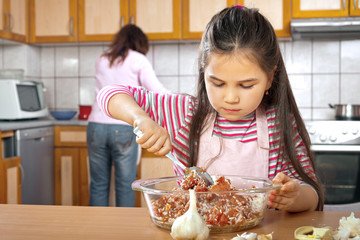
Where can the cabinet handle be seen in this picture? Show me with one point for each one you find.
(343, 7)
(121, 21)
(11, 22)
(6, 21)
(132, 19)
(72, 26)
(355, 4)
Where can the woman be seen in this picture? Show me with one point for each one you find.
(109, 141)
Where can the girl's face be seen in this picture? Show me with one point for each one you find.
(235, 84)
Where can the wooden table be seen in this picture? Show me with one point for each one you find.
(68, 222)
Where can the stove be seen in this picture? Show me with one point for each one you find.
(336, 149)
(334, 132)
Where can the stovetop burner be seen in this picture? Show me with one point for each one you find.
(334, 132)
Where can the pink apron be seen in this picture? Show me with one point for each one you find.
(236, 158)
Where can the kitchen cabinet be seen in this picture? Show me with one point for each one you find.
(194, 20)
(152, 166)
(276, 11)
(13, 22)
(58, 21)
(53, 21)
(159, 19)
(61, 21)
(10, 173)
(99, 21)
(325, 8)
(71, 166)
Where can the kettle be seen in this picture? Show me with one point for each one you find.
(84, 111)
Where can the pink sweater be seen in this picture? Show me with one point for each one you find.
(136, 70)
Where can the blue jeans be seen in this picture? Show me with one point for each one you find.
(111, 144)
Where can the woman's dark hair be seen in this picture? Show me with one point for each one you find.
(129, 37)
(245, 30)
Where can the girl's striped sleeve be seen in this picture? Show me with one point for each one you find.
(107, 92)
(168, 110)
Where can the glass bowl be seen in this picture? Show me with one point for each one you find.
(240, 208)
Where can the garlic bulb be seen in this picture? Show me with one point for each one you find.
(349, 228)
(190, 225)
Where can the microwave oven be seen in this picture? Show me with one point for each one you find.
(22, 100)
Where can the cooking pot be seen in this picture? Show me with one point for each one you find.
(346, 111)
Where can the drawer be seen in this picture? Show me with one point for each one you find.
(70, 136)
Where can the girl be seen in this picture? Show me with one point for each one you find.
(109, 141)
(244, 120)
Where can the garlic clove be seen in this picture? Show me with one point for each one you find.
(245, 236)
(190, 225)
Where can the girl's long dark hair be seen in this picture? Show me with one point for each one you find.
(129, 37)
(243, 29)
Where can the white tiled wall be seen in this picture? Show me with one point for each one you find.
(320, 72)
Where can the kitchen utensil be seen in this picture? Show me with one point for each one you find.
(233, 210)
(206, 176)
(346, 111)
(63, 114)
(84, 111)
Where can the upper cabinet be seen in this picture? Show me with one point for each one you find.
(159, 19)
(14, 19)
(53, 21)
(194, 21)
(99, 21)
(325, 8)
(276, 11)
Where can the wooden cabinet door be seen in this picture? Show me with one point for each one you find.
(99, 21)
(159, 19)
(84, 174)
(197, 13)
(3, 16)
(71, 166)
(13, 180)
(320, 8)
(152, 166)
(10, 173)
(3, 188)
(276, 11)
(67, 176)
(53, 21)
(17, 20)
(354, 7)
(14, 19)
(70, 136)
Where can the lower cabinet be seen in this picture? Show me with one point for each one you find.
(10, 170)
(71, 166)
(11, 177)
(152, 166)
(72, 177)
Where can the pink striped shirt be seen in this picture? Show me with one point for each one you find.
(174, 113)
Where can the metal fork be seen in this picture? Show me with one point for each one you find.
(204, 175)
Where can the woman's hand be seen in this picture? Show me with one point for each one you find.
(284, 198)
(155, 138)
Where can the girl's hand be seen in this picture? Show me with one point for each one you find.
(155, 138)
(285, 197)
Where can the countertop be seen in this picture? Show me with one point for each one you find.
(41, 122)
(73, 222)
